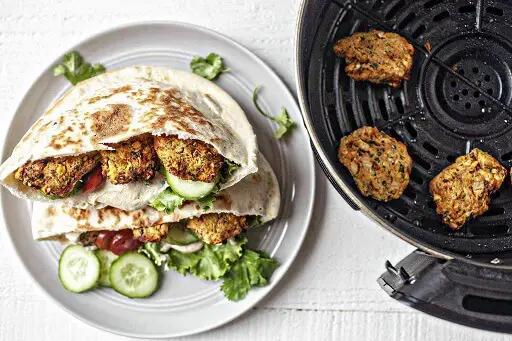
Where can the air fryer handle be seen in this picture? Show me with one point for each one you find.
(452, 290)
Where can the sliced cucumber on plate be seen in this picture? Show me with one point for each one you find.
(134, 275)
(188, 189)
(79, 269)
(106, 258)
(180, 235)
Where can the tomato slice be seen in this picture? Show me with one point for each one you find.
(123, 242)
(104, 239)
(94, 180)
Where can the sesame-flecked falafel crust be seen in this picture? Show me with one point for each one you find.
(376, 56)
(463, 189)
(103, 114)
(188, 159)
(379, 164)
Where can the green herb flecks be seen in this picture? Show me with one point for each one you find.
(75, 70)
(210, 67)
(283, 119)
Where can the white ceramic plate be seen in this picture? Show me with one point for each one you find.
(183, 305)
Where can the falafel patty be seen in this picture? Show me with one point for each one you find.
(463, 189)
(151, 233)
(376, 56)
(188, 159)
(132, 160)
(214, 228)
(379, 164)
(57, 176)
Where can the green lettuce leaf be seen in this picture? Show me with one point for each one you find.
(152, 250)
(75, 70)
(283, 119)
(212, 262)
(167, 200)
(254, 221)
(210, 67)
(254, 268)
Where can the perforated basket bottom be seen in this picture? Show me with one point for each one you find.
(458, 98)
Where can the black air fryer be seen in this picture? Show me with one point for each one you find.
(458, 98)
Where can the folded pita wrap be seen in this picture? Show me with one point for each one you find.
(118, 105)
(255, 195)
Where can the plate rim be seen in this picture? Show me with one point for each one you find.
(293, 255)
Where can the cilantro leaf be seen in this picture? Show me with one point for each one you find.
(254, 268)
(284, 120)
(212, 262)
(75, 70)
(167, 200)
(210, 67)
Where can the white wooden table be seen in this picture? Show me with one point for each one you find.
(329, 294)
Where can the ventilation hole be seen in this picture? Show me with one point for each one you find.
(453, 84)
(417, 177)
(410, 129)
(409, 193)
(507, 156)
(451, 158)
(467, 105)
(456, 97)
(394, 10)
(465, 92)
(410, 17)
(430, 148)
(467, 9)
(399, 105)
(476, 94)
(421, 162)
(432, 3)
(399, 206)
(441, 16)
(350, 114)
(485, 230)
(482, 103)
(490, 91)
(487, 78)
(461, 72)
(493, 211)
(394, 133)
(475, 70)
(367, 113)
(486, 305)
(494, 11)
(383, 109)
(431, 204)
(419, 31)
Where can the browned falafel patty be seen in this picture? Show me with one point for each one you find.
(376, 56)
(57, 176)
(463, 189)
(132, 160)
(214, 228)
(379, 164)
(153, 233)
(188, 159)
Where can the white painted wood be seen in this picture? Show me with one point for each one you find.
(329, 294)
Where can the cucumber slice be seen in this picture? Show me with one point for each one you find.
(106, 258)
(188, 189)
(79, 269)
(134, 275)
(179, 234)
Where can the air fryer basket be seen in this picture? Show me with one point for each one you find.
(458, 97)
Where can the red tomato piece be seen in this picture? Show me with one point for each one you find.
(94, 180)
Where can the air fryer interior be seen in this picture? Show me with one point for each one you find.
(457, 98)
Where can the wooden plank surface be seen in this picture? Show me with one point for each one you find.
(329, 294)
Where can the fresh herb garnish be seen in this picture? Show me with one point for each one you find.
(254, 268)
(75, 70)
(210, 67)
(285, 122)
